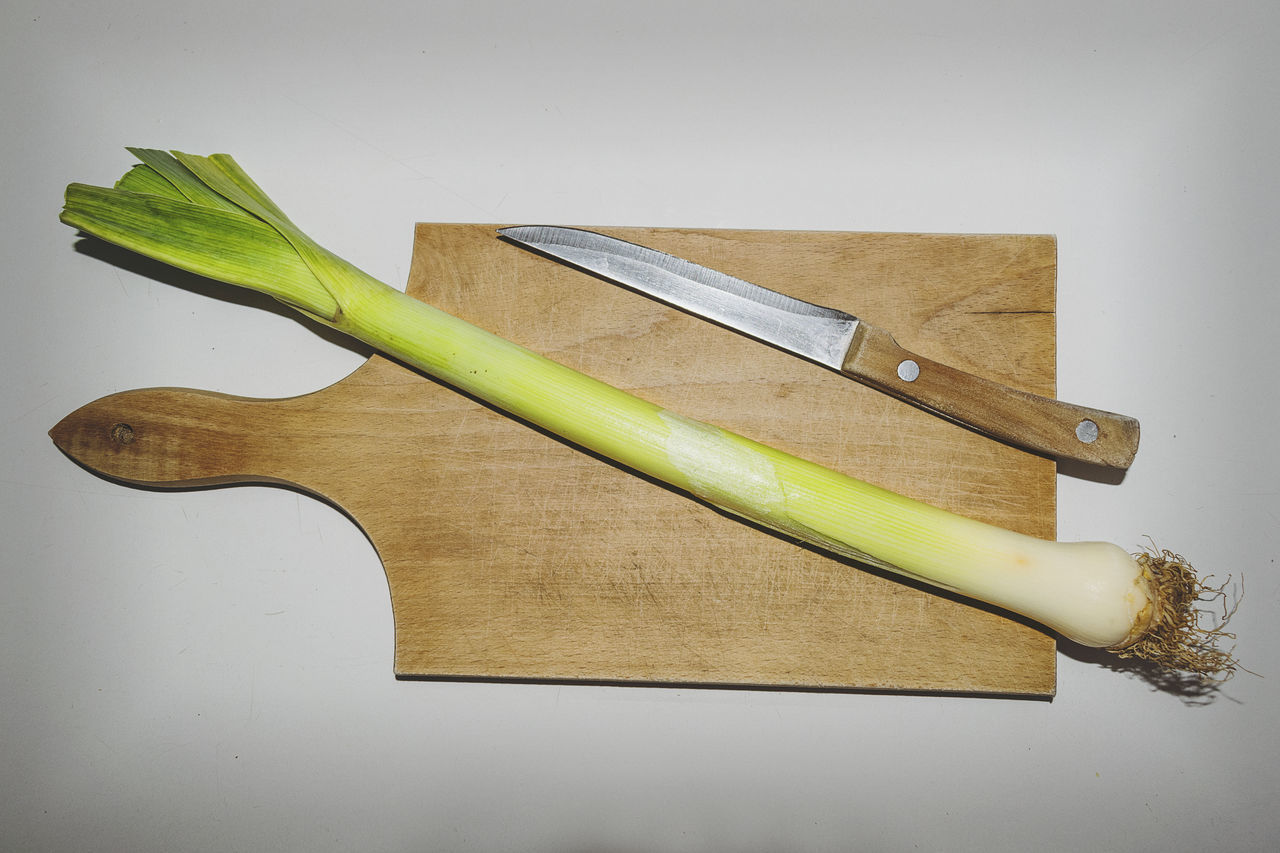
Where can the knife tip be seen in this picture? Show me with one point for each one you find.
(514, 233)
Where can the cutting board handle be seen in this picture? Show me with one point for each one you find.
(180, 438)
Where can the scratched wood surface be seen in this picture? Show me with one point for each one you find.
(510, 554)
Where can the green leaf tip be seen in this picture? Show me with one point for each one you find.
(207, 216)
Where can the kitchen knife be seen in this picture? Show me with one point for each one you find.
(846, 344)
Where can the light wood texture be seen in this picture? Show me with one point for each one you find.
(512, 555)
(1063, 430)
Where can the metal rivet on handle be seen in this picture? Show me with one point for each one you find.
(1087, 431)
(908, 370)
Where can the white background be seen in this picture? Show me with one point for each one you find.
(212, 669)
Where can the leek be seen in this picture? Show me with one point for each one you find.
(207, 216)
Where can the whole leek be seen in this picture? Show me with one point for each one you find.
(205, 215)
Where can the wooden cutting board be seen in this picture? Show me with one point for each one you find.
(512, 555)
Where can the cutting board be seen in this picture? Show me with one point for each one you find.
(512, 555)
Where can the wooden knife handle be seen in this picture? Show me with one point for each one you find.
(1037, 423)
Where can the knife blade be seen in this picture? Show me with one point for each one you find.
(842, 342)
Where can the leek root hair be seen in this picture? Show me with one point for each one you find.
(1177, 637)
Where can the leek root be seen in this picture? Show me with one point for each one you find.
(205, 215)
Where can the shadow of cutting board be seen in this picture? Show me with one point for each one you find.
(510, 554)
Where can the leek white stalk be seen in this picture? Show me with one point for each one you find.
(205, 215)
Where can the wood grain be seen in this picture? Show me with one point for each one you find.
(510, 554)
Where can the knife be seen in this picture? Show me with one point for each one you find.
(845, 344)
